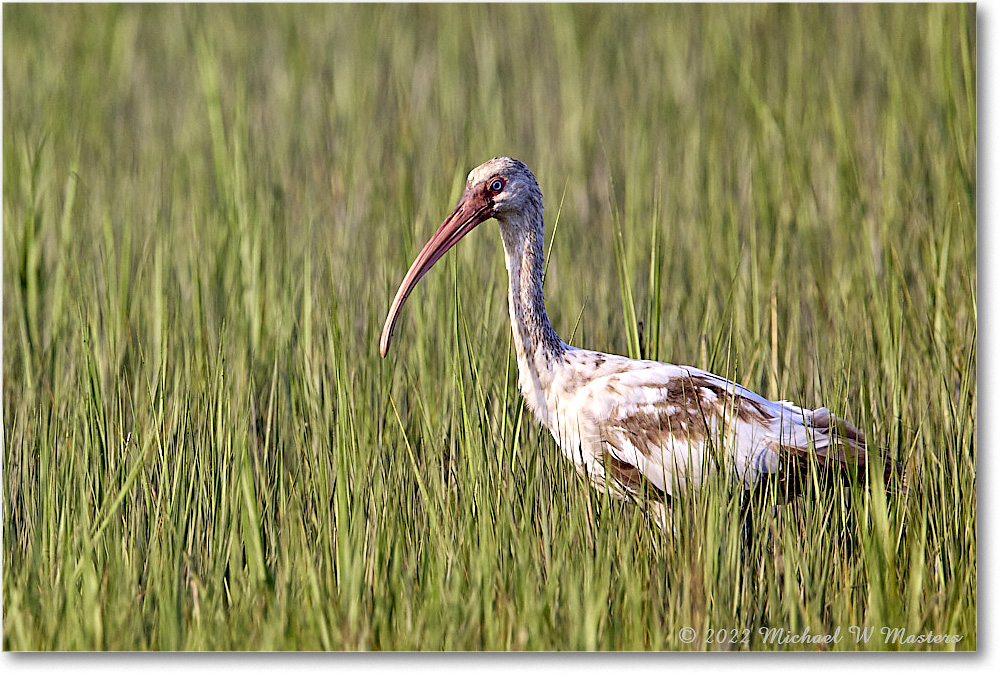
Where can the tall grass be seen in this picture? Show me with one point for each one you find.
(207, 208)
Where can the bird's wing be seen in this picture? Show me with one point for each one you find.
(658, 421)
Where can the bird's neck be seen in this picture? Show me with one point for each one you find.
(535, 341)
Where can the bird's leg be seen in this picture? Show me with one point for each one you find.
(753, 500)
(746, 521)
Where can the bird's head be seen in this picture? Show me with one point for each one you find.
(506, 184)
(497, 189)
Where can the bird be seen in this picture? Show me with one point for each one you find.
(636, 428)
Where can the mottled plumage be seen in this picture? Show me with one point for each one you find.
(630, 426)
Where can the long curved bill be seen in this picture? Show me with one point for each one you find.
(471, 210)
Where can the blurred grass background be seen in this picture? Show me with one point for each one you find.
(206, 210)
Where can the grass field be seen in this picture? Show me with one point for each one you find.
(206, 210)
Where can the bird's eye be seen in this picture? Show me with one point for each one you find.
(496, 185)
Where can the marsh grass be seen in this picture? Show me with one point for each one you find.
(207, 208)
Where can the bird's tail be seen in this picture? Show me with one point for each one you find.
(845, 445)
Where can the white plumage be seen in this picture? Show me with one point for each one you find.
(629, 425)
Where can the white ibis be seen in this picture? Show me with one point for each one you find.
(628, 425)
